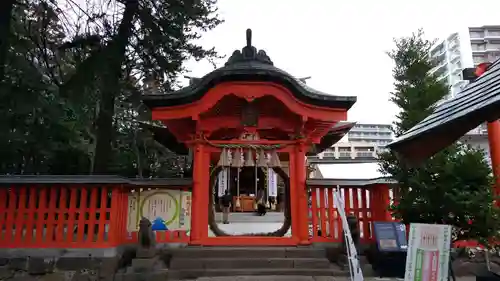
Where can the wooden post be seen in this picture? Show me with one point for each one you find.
(380, 202)
(200, 196)
(204, 175)
(385, 201)
(196, 207)
(494, 144)
(301, 193)
(293, 194)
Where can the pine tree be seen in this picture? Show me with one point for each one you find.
(454, 186)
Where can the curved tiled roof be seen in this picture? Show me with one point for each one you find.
(249, 64)
(477, 103)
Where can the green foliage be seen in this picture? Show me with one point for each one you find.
(56, 82)
(452, 187)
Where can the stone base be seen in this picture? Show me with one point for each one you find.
(144, 265)
(143, 253)
(158, 275)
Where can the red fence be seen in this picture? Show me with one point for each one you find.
(325, 219)
(95, 215)
(76, 216)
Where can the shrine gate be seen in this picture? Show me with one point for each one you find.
(246, 114)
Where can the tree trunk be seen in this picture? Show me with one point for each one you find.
(6, 9)
(115, 55)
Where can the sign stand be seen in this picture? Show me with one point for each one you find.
(352, 253)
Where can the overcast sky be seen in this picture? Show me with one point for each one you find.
(341, 44)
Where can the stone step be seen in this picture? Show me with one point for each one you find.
(249, 252)
(343, 259)
(247, 263)
(197, 273)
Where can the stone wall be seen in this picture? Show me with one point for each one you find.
(71, 264)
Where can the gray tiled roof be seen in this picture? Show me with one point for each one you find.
(249, 65)
(477, 103)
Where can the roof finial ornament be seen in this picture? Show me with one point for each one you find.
(249, 37)
(249, 53)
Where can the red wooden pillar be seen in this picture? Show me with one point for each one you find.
(198, 195)
(203, 190)
(380, 201)
(494, 143)
(293, 194)
(301, 194)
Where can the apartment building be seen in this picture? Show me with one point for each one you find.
(464, 49)
(461, 50)
(378, 134)
(451, 57)
(351, 150)
(485, 43)
(363, 141)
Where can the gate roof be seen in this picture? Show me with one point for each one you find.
(477, 103)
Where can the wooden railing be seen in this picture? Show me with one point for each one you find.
(62, 216)
(325, 219)
(69, 215)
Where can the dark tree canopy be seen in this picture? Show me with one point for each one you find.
(71, 79)
(454, 186)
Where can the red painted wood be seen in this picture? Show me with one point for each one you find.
(3, 211)
(82, 214)
(294, 204)
(20, 217)
(31, 213)
(115, 227)
(51, 213)
(249, 91)
(322, 211)
(41, 216)
(103, 214)
(365, 218)
(314, 211)
(347, 199)
(61, 214)
(494, 146)
(92, 211)
(73, 193)
(331, 215)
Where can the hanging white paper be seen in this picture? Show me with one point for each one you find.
(222, 182)
(272, 183)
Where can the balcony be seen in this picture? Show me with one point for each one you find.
(488, 35)
(345, 154)
(492, 47)
(456, 71)
(366, 154)
(476, 36)
(454, 57)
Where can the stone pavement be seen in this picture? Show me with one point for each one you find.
(304, 278)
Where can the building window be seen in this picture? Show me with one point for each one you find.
(476, 34)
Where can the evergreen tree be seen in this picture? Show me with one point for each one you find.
(454, 186)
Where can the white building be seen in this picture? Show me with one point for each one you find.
(379, 134)
(485, 43)
(452, 55)
(465, 49)
(363, 141)
(351, 150)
